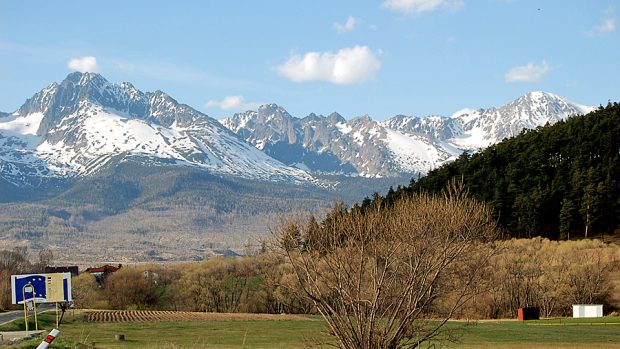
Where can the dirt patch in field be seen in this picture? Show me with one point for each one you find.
(172, 316)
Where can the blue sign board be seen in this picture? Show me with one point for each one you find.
(42, 288)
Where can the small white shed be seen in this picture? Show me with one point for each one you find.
(587, 310)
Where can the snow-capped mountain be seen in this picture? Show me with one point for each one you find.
(483, 127)
(84, 124)
(402, 144)
(360, 146)
(81, 125)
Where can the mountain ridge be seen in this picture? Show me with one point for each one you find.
(401, 144)
(78, 126)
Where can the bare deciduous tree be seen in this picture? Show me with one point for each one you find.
(375, 276)
(11, 262)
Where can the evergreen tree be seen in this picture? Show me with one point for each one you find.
(566, 218)
(590, 203)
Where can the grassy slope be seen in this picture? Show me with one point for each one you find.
(564, 333)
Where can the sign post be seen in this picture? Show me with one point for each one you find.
(29, 304)
(43, 288)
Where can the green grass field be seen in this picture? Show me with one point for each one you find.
(553, 333)
(556, 333)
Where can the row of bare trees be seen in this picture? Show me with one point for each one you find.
(522, 272)
(259, 284)
(19, 261)
(551, 275)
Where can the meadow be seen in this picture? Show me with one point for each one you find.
(253, 332)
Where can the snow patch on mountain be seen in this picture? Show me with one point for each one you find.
(412, 154)
(343, 128)
(24, 125)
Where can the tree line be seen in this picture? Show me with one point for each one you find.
(552, 275)
(559, 181)
(548, 274)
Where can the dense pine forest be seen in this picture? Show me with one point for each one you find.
(560, 181)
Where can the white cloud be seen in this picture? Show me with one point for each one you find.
(232, 103)
(607, 25)
(347, 26)
(528, 73)
(350, 65)
(420, 6)
(84, 64)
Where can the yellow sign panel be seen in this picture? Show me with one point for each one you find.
(54, 290)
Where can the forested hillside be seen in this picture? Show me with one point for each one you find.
(558, 181)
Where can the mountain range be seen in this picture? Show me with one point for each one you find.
(401, 144)
(103, 171)
(75, 128)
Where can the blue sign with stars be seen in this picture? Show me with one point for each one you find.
(37, 281)
(36, 286)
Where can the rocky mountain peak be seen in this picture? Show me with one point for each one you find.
(546, 103)
(273, 111)
(312, 117)
(483, 127)
(88, 78)
(363, 120)
(335, 118)
(538, 96)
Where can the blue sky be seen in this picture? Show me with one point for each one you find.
(379, 57)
